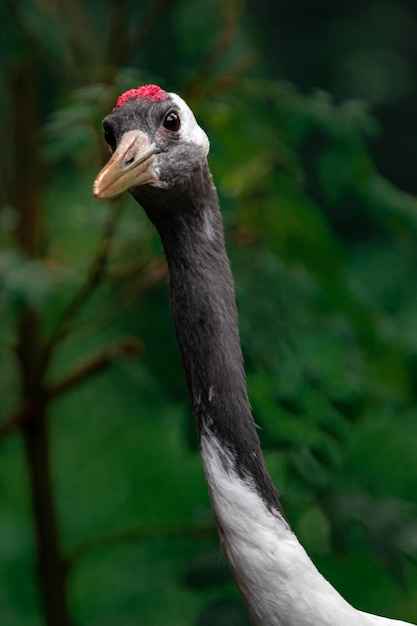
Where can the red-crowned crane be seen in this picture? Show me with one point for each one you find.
(159, 154)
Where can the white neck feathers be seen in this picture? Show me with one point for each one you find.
(278, 581)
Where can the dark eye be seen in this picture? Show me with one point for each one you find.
(172, 121)
(109, 137)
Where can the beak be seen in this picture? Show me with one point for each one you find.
(131, 165)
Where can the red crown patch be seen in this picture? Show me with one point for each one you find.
(151, 92)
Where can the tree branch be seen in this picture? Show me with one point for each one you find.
(136, 535)
(51, 564)
(86, 289)
(233, 12)
(94, 365)
(29, 410)
(145, 278)
(234, 73)
(28, 168)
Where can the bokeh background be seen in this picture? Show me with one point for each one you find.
(311, 111)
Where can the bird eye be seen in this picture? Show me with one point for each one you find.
(109, 137)
(172, 121)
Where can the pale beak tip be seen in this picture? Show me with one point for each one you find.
(97, 192)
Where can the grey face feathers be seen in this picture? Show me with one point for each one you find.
(154, 142)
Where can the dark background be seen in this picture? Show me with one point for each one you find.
(352, 49)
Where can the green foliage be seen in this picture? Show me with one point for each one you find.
(323, 252)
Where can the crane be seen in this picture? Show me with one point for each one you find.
(159, 153)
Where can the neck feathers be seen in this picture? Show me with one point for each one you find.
(206, 325)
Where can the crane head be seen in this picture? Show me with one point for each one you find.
(154, 139)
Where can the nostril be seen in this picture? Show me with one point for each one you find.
(129, 161)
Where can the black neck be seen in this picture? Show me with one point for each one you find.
(206, 325)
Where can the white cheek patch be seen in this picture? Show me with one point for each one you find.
(190, 130)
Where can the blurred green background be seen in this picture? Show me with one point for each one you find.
(310, 109)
